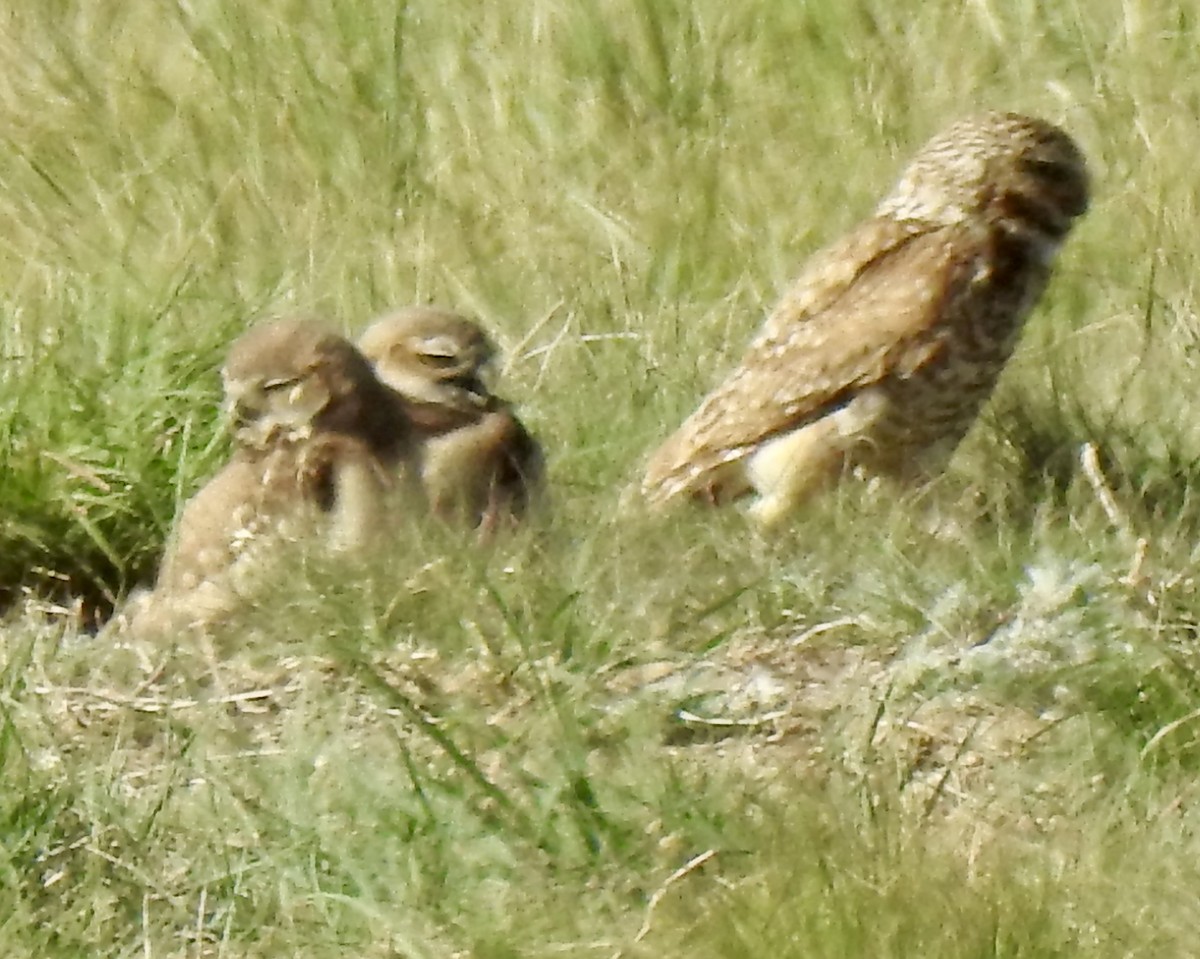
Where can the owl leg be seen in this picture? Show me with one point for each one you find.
(500, 510)
(787, 470)
(360, 504)
(724, 484)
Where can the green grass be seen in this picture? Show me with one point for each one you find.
(955, 724)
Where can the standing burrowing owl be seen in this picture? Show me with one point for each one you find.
(319, 442)
(478, 463)
(887, 346)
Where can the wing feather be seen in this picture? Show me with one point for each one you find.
(871, 306)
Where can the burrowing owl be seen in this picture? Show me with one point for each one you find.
(294, 378)
(319, 444)
(888, 344)
(478, 463)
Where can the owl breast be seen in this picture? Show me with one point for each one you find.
(931, 408)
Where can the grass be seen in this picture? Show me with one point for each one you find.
(955, 724)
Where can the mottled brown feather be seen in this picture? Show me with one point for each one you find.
(320, 445)
(892, 338)
(856, 331)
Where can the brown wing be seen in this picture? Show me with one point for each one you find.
(520, 474)
(843, 327)
(322, 462)
(488, 471)
(432, 419)
(828, 273)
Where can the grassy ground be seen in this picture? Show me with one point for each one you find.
(960, 724)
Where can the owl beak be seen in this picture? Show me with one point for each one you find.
(476, 388)
(239, 416)
(241, 420)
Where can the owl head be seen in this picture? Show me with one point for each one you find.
(288, 378)
(430, 355)
(1019, 173)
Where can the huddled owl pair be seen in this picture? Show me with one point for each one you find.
(331, 439)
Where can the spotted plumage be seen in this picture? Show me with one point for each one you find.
(890, 341)
(319, 444)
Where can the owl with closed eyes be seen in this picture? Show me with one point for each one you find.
(477, 462)
(319, 449)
